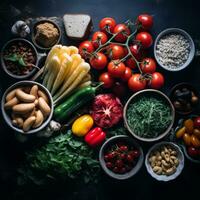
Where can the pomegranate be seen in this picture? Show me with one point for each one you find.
(107, 110)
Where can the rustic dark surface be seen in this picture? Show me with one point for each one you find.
(183, 14)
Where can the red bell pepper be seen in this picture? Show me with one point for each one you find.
(95, 137)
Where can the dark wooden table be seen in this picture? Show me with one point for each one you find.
(183, 14)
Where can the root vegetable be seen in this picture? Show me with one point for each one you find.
(11, 103)
(43, 95)
(28, 123)
(23, 108)
(39, 119)
(85, 67)
(24, 97)
(44, 107)
(54, 66)
(34, 91)
(64, 69)
(10, 95)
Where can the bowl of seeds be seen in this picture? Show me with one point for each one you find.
(174, 49)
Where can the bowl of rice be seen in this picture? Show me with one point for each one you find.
(174, 49)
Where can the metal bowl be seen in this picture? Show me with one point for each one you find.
(7, 117)
(149, 92)
(4, 65)
(34, 32)
(179, 167)
(114, 140)
(187, 36)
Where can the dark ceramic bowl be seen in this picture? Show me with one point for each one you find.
(187, 36)
(34, 33)
(4, 65)
(180, 86)
(7, 117)
(181, 143)
(154, 93)
(129, 141)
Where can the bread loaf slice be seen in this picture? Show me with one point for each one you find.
(77, 26)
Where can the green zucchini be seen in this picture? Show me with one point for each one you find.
(75, 101)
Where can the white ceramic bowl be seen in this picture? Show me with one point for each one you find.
(179, 168)
(7, 117)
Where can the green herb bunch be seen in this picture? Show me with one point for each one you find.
(63, 157)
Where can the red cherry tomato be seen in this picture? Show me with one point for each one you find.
(123, 31)
(119, 89)
(85, 48)
(107, 80)
(157, 80)
(136, 83)
(116, 68)
(130, 158)
(99, 61)
(99, 38)
(127, 74)
(135, 50)
(130, 62)
(197, 122)
(148, 65)
(145, 38)
(145, 21)
(115, 52)
(107, 25)
(125, 51)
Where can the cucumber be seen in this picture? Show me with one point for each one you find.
(78, 99)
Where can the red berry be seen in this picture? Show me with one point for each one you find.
(123, 156)
(119, 163)
(130, 158)
(123, 170)
(116, 170)
(123, 148)
(109, 165)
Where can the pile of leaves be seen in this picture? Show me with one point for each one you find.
(64, 157)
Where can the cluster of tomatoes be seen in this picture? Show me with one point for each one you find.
(119, 55)
(121, 158)
(190, 134)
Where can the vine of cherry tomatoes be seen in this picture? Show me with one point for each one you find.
(118, 51)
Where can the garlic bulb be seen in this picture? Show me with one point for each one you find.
(20, 28)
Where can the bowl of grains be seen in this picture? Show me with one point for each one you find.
(19, 58)
(174, 49)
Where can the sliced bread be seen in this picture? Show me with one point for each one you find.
(77, 26)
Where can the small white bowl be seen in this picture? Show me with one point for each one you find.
(178, 169)
(187, 36)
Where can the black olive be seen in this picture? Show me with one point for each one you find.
(187, 95)
(188, 107)
(177, 105)
(185, 90)
(177, 93)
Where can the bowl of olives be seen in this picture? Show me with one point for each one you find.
(185, 98)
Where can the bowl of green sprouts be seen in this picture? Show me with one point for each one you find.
(149, 115)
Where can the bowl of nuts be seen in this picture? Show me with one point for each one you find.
(164, 161)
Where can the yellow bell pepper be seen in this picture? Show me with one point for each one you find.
(82, 125)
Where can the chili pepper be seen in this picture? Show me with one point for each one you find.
(95, 137)
(82, 125)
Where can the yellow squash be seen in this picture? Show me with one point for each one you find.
(82, 125)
